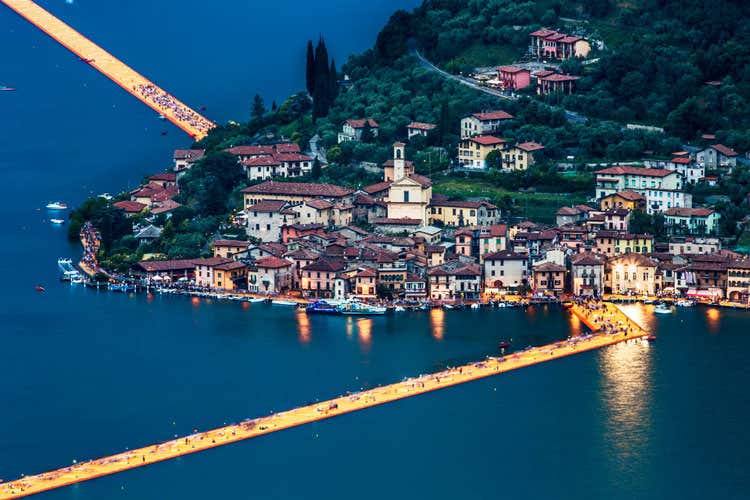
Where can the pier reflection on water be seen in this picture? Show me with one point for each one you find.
(713, 320)
(304, 332)
(437, 323)
(627, 400)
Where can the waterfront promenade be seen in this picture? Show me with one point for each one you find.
(139, 86)
(609, 323)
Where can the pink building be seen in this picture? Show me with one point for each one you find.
(513, 77)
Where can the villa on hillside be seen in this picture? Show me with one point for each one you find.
(549, 44)
(419, 128)
(483, 123)
(473, 151)
(352, 130)
(513, 77)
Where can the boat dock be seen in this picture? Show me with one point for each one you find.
(600, 317)
(139, 86)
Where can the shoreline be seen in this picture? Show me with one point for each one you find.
(609, 325)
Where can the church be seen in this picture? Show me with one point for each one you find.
(409, 193)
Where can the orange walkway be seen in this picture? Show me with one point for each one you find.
(157, 99)
(607, 315)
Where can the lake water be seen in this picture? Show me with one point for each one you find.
(83, 374)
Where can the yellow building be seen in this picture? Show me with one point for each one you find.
(624, 199)
(462, 213)
(408, 196)
(228, 249)
(473, 151)
(633, 273)
(520, 156)
(220, 273)
(612, 243)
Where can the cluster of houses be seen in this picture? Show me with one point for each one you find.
(308, 239)
(155, 196)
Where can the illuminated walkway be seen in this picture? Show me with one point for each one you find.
(157, 99)
(606, 314)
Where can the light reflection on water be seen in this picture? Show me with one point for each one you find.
(437, 323)
(643, 315)
(303, 327)
(713, 320)
(364, 333)
(626, 394)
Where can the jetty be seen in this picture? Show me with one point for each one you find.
(136, 84)
(609, 324)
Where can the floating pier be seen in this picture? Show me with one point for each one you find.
(603, 316)
(143, 89)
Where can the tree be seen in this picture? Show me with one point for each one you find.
(367, 136)
(258, 110)
(316, 169)
(310, 68)
(494, 160)
(333, 82)
(321, 91)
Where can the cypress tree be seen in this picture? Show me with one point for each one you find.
(333, 89)
(310, 68)
(321, 99)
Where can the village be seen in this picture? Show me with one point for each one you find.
(304, 239)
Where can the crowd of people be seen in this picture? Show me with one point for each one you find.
(91, 241)
(154, 94)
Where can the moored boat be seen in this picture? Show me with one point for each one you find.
(282, 302)
(321, 307)
(685, 303)
(57, 222)
(662, 309)
(355, 308)
(56, 205)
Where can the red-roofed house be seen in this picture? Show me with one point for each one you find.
(521, 156)
(185, 158)
(487, 122)
(352, 130)
(228, 249)
(272, 275)
(692, 172)
(513, 77)
(419, 128)
(131, 208)
(473, 151)
(265, 219)
(549, 44)
(698, 221)
(295, 192)
(556, 83)
(717, 156)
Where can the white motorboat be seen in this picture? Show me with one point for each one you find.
(662, 309)
(399, 309)
(56, 205)
(685, 303)
(57, 222)
(282, 302)
(106, 196)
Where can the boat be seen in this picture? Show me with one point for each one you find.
(39, 288)
(254, 299)
(121, 287)
(662, 309)
(475, 306)
(651, 338)
(106, 196)
(685, 303)
(321, 307)
(355, 308)
(282, 302)
(162, 117)
(77, 279)
(6, 89)
(504, 345)
(399, 309)
(448, 306)
(56, 205)
(57, 222)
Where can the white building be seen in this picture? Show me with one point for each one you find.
(265, 218)
(717, 156)
(352, 130)
(505, 270)
(483, 123)
(587, 274)
(623, 178)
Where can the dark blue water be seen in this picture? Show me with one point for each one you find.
(83, 374)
